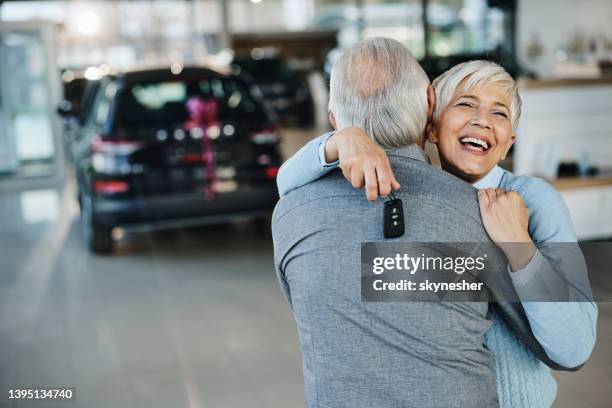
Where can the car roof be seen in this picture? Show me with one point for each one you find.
(165, 73)
(247, 57)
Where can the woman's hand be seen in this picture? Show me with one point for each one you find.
(362, 162)
(506, 219)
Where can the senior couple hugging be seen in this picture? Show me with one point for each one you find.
(421, 354)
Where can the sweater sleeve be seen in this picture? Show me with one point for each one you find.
(304, 167)
(566, 330)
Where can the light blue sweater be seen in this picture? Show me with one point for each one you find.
(566, 331)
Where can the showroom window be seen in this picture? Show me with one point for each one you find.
(463, 27)
(445, 32)
(355, 20)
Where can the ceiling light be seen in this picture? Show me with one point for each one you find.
(88, 23)
(176, 68)
(92, 73)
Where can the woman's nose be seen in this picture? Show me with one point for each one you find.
(480, 119)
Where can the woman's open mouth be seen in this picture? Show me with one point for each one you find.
(474, 145)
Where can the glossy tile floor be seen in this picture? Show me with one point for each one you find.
(187, 318)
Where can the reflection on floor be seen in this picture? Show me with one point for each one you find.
(187, 318)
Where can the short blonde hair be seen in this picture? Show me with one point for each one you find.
(475, 74)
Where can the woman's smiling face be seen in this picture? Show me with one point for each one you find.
(474, 132)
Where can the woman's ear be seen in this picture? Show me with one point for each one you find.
(512, 140)
(432, 133)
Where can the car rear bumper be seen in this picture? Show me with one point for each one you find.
(186, 209)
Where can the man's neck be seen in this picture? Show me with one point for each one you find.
(411, 151)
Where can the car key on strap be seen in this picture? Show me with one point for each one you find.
(393, 217)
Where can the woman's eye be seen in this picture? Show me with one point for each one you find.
(468, 104)
(503, 114)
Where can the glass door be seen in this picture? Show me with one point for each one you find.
(30, 151)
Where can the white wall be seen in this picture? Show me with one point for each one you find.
(556, 21)
(564, 124)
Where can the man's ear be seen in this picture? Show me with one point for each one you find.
(332, 120)
(431, 101)
(513, 139)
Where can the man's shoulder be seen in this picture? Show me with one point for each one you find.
(427, 178)
(421, 183)
(324, 193)
(429, 186)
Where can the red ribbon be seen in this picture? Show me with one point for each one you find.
(203, 114)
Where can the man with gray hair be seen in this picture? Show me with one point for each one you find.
(360, 354)
(391, 104)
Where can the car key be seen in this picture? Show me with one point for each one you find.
(393, 218)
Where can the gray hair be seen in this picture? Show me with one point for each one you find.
(475, 74)
(378, 86)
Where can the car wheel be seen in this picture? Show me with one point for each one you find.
(97, 238)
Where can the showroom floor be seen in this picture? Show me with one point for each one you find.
(187, 318)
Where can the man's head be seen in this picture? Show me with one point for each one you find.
(378, 86)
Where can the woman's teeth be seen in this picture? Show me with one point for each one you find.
(475, 144)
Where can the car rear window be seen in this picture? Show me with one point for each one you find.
(165, 103)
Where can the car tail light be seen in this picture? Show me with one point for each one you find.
(271, 172)
(110, 186)
(119, 147)
(192, 158)
(110, 156)
(265, 136)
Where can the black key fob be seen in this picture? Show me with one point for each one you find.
(393, 217)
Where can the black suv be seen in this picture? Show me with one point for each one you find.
(161, 149)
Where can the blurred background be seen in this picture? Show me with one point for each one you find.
(139, 147)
